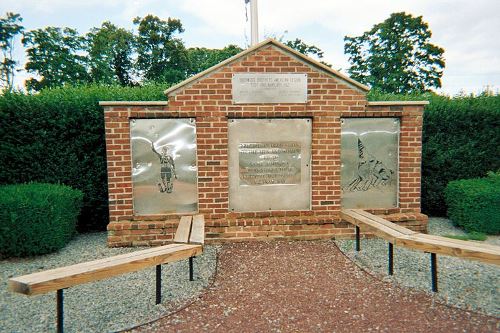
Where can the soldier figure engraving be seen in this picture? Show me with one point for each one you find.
(371, 173)
(167, 169)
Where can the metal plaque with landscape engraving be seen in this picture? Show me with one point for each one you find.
(164, 171)
(269, 164)
(369, 157)
(269, 88)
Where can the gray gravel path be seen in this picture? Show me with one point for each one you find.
(466, 284)
(104, 306)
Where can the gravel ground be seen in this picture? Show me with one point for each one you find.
(310, 286)
(107, 305)
(466, 284)
(275, 286)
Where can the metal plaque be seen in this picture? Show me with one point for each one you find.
(369, 157)
(269, 164)
(164, 170)
(269, 88)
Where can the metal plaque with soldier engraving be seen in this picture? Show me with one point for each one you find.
(164, 168)
(369, 157)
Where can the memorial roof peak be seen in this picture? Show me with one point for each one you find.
(265, 43)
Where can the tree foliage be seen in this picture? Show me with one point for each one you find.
(110, 52)
(161, 56)
(396, 56)
(201, 58)
(306, 49)
(9, 28)
(309, 50)
(55, 55)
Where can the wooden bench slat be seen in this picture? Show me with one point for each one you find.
(95, 264)
(466, 251)
(429, 243)
(378, 229)
(198, 230)
(387, 223)
(445, 241)
(474, 244)
(183, 230)
(65, 277)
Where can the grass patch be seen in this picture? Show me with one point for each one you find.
(477, 236)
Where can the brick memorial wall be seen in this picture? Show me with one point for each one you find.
(208, 99)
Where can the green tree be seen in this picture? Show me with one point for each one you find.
(161, 57)
(396, 56)
(110, 52)
(9, 29)
(201, 58)
(309, 50)
(306, 49)
(56, 56)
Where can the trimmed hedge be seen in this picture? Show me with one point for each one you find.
(474, 204)
(37, 218)
(460, 141)
(57, 136)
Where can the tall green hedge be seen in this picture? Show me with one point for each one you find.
(37, 218)
(474, 204)
(461, 139)
(57, 136)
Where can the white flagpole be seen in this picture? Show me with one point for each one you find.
(254, 22)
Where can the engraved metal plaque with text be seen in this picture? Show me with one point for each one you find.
(369, 157)
(269, 88)
(164, 170)
(269, 164)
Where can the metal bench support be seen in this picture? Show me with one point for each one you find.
(60, 311)
(434, 273)
(158, 284)
(191, 278)
(358, 248)
(391, 259)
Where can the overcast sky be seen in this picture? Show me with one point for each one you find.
(467, 30)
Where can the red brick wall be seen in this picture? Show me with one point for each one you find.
(209, 100)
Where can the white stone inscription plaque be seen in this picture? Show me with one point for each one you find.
(269, 164)
(251, 88)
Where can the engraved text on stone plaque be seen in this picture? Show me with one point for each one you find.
(269, 88)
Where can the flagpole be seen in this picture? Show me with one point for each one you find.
(254, 22)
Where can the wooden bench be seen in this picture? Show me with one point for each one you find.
(401, 236)
(188, 243)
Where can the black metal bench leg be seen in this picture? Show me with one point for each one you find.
(191, 278)
(434, 273)
(158, 284)
(391, 259)
(357, 239)
(60, 311)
